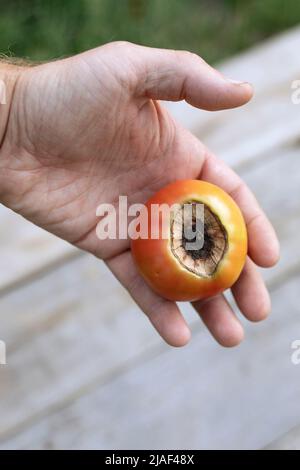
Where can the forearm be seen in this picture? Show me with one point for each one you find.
(10, 73)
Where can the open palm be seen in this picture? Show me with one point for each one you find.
(83, 130)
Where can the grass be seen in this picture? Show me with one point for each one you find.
(215, 29)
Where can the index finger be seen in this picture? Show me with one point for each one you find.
(263, 245)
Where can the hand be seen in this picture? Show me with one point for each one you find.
(85, 129)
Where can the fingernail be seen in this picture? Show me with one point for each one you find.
(237, 82)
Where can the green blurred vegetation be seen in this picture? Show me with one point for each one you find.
(215, 29)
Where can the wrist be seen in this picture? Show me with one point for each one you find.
(9, 76)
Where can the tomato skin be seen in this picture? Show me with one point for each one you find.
(163, 271)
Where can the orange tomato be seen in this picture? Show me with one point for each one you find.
(170, 267)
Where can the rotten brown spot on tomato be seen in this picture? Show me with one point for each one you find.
(212, 239)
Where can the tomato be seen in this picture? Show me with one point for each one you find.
(167, 263)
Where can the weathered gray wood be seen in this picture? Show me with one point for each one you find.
(275, 182)
(269, 120)
(25, 249)
(61, 331)
(199, 397)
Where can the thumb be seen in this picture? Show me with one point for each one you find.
(180, 75)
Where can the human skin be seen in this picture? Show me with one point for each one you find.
(80, 131)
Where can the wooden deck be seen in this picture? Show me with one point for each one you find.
(84, 368)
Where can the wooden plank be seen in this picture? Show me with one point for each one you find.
(76, 328)
(25, 249)
(275, 182)
(235, 135)
(200, 397)
(269, 120)
(258, 65)
(61, 332)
